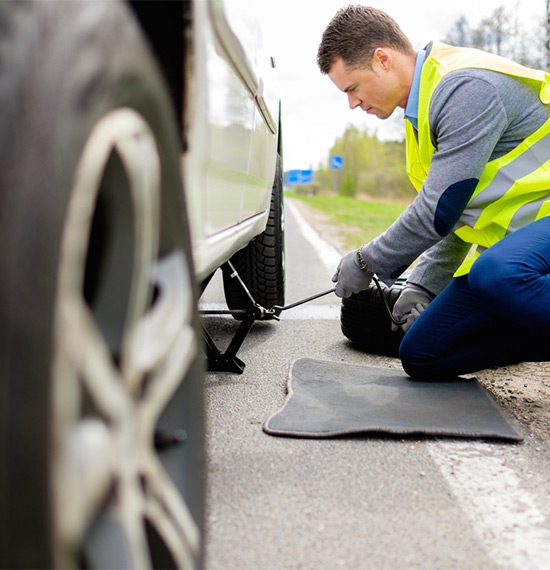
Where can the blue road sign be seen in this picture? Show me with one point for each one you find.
(336, 162)
(299, 176)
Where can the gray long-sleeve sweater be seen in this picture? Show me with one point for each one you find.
(475, 116)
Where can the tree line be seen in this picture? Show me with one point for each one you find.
(505, 34)
(377, 168)
(370, 166)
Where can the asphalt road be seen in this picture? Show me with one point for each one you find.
(356, 502)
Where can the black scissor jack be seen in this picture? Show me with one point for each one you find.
(228, 361)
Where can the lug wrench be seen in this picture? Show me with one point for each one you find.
(306, 300)
(275, 308)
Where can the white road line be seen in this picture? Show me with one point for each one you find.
(329, 255)
(312, 313)
(300, 313)
(503, 514)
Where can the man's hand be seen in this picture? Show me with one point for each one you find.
(352, 274)
(409, 306)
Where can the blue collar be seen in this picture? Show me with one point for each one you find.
(411, 111)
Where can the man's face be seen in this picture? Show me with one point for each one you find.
(376, 91)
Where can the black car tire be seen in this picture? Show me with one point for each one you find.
(101, 434)
(365, 321)
(261, 264)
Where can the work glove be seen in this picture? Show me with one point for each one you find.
(409, 306)
(352, 274)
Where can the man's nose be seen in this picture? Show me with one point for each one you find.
(353, 101)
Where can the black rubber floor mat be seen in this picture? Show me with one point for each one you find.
(329, 399)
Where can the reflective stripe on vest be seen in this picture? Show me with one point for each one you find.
(513, 190)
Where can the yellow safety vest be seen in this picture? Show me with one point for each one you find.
(514, 189)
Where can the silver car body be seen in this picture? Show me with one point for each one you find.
(232, 132)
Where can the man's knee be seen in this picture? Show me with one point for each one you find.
(416, 362)
(407, 356)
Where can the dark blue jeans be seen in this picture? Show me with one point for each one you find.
(498, 314)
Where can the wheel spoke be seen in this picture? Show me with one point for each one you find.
(84, 477)
(120, 357)
(154, 335)
(142, 164)
(165, 346)
(164, 343)
(117, 539)
(90, 356)
(165, 382)
(169, 514)
(86, 447)
(131, 505)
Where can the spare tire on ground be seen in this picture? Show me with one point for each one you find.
(366, 322)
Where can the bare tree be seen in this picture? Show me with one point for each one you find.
(481, 36)
(502, 33)
(500, 24)
(460, 33)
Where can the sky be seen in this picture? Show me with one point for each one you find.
(314, 111)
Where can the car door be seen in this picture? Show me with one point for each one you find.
(230, 112)
(238, 25)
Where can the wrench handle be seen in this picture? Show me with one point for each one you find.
(306, 300)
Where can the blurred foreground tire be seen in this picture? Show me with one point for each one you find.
(101, 440)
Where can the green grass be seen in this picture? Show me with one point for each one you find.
(358, 221)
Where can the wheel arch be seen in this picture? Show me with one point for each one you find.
(166, 26)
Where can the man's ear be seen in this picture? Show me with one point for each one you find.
(382, 58)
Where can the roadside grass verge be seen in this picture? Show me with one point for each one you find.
(357, 221)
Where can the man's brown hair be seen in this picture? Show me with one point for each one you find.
(354, 34)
